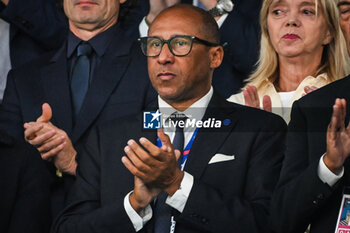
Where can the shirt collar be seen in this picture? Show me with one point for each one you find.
(195, 111)
(99, 43)
(323, 75)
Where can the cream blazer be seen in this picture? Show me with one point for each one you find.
(269, 89)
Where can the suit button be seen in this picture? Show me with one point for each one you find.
(204, 220)
(320, 196)
(315, 202)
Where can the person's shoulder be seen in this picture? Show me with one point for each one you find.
(123, 43)
(252, 118)
(260, 118)
(124, 46)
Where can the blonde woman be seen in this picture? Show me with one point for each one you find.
(302, 49)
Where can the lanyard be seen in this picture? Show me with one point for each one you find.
(185, 154)
(187, 149)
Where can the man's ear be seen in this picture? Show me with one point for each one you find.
(216, 55)
(122, 1)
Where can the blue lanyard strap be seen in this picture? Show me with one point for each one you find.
(187, 149)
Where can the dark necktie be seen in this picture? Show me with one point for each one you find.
(80, 76)
(162, 213)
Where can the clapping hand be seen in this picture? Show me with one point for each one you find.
(251, 99)
(155, 169)
(52, 143)
(338, 138)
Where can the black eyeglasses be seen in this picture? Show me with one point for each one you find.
(179, 45)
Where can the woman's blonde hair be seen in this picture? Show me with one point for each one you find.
(335, 58)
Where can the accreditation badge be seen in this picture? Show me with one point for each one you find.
(343, 222)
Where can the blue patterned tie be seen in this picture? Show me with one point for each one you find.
(80, 76)
(162, 211)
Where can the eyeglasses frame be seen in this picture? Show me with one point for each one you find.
(193, 38)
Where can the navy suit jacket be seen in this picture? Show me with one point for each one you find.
(301, 198)
(241, 32)
(25, 189)
(36, 27)
(229, 196)
(120, 87)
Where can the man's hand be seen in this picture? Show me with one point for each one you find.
(251, 99)
(338, 138)
(142, 195)
(52, 142)
(156, 6)
(156, 167)
(309, 89)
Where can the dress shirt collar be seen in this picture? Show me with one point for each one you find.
(99, 43)
(195, 111)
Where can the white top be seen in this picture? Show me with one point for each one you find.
(179, 198)
(277, 107)
(286, 98)
(5, 62)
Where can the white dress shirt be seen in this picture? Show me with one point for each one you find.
(5, 62)
(179, 198)
(326, 175)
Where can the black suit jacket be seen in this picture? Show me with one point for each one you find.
(120, 87)
(36, 27)
(241, 32)
(25, 189)
(230, 196)
(301, 197)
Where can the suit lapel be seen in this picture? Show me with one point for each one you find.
(209, 141)
(107, 76)
(54, 78)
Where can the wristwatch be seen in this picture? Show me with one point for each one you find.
(222, 7)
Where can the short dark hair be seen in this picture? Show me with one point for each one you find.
(209, 27)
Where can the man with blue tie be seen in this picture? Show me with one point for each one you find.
(97, 75)
(213, 166)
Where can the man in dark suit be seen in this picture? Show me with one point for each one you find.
(25, 188)
(230, 171)
(316, 169)
(117, 85)
(239, 30)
